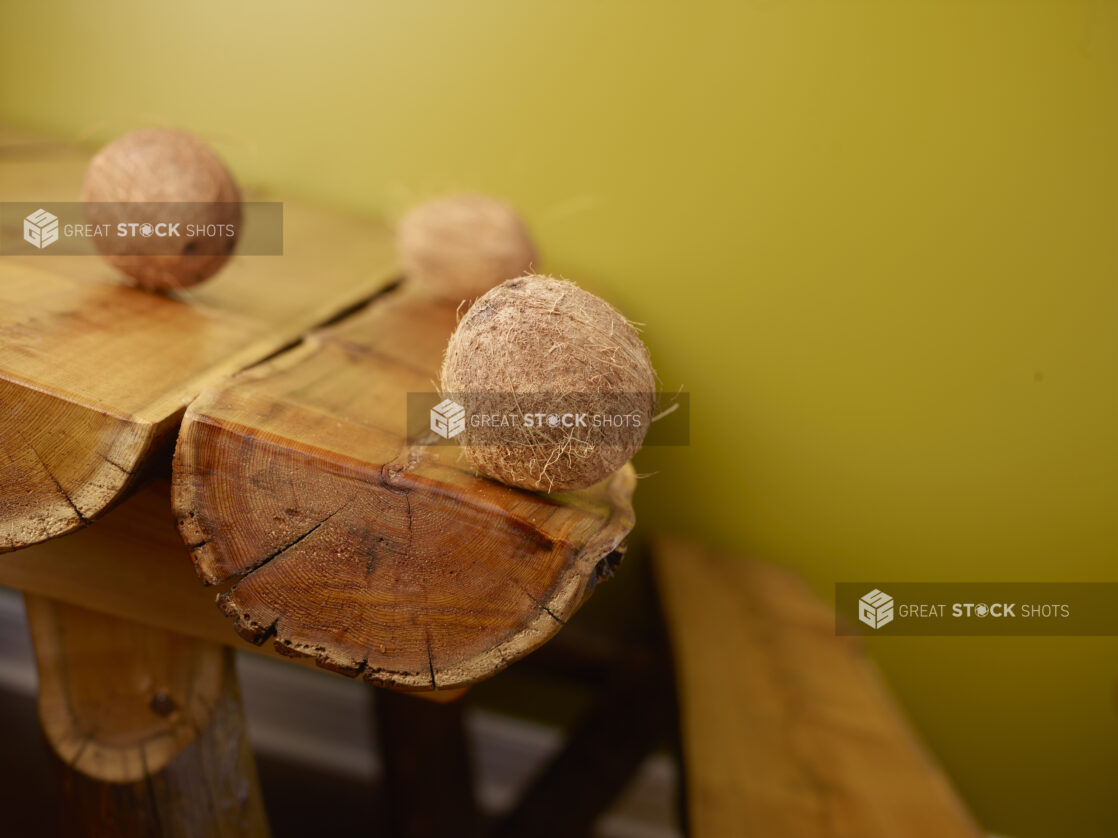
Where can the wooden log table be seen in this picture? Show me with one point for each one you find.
(297, 490)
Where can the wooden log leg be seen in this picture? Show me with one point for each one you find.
(623, 725)
(428, 782)
(146, 726)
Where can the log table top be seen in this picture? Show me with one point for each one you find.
(329, 529)
(95, 375)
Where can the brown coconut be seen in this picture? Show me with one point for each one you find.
(159, 167)
(543, 346)
(459, 247)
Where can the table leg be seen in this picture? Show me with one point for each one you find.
(427, 778)
(146, 727)
(629, 718)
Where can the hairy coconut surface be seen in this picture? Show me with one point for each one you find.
(458, 247)
(527, 360)
(159, 175)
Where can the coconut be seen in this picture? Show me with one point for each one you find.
(527, 360)
(166, 176)
(459, 247)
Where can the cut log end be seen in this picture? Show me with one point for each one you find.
(379, 559)
(120, 729)
(408, 583)
(145, 727)
(61, 464)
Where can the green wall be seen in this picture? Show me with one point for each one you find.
(875, 240)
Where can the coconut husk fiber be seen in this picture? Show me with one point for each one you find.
(156, 167)
(459, 247)
(544, 347)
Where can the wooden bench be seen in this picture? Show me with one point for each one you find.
(787, 728)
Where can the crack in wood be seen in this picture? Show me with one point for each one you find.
(114, 463)
(430, 661)
(358, 306)
(263, 561)
(54, 480)
(73, 761)
(542, 606)
(388, 477)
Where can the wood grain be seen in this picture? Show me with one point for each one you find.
(147, 726)
(95, 375)
(376, 554)
(787, 728)
(133, 565)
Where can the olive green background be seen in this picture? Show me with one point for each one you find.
(875, 240)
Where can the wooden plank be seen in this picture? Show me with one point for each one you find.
(146, 725)
(95, 376)
(375, 554)
(787, 728)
